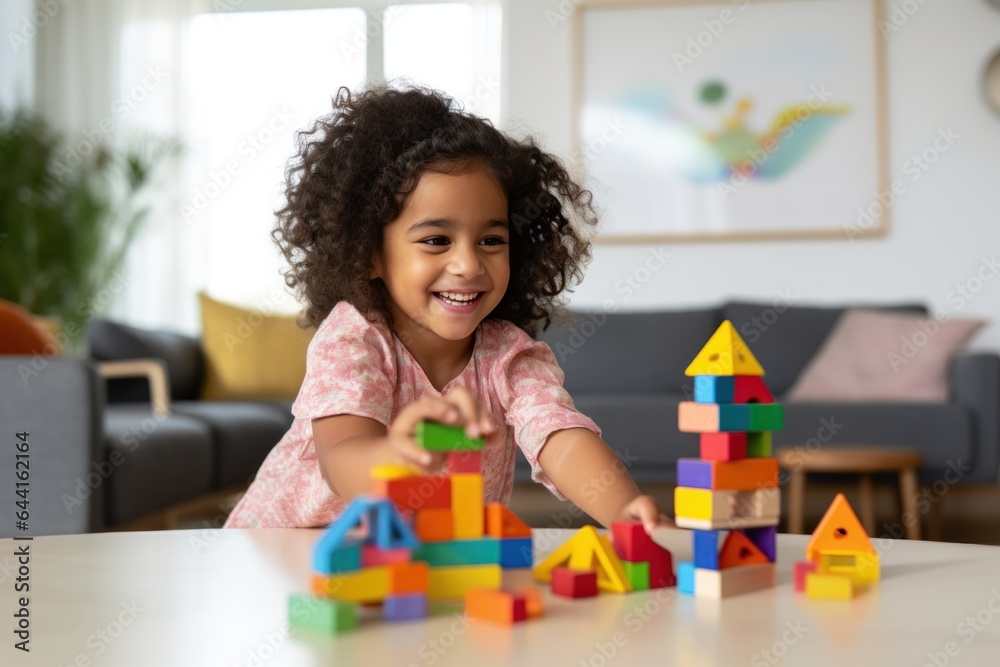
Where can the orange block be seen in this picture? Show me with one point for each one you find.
(532, 599)
(434, 525)
(839, 530)
(737, 549)
(409, 578)
(495, 606)
(501, 522)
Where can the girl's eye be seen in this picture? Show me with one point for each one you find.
(494, 241)
(436, 241)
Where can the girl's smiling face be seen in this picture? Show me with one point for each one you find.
(445, 260)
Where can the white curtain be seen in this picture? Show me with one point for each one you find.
(107, 71)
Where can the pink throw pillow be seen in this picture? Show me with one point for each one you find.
(879, 356)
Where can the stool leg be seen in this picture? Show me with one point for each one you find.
(908, 487)
(867, 503)
(796, 500)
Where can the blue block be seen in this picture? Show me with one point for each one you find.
(685, 577)
(706, 549)
(694, 473)
(345, 558)
(764, 538)
(385, 525)
(515, 552)
(405, 607)
(714, 388)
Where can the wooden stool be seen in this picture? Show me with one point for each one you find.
(853, 459)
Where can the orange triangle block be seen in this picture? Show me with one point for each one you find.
(737, 549)
(839, 531)
(501, 522)
(725, 353)
(587, 550)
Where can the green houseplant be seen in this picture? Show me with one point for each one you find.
(68, 213)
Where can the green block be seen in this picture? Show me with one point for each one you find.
(481, 551)
(759, 445)
(766, 416)
(637, 575)
(316, 614)
(437, 437)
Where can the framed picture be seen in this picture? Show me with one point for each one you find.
(715, 120)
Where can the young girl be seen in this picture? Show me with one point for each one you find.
(428, 247)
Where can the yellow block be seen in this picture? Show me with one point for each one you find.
(467, 504)
(861, 567)
(392, 471)
(368, 585)
(829, 586)
(453, 582)
(726, 504)
(587, 550)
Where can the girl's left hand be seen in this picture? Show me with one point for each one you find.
(645, 510)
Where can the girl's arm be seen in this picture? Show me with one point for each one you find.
(593, 478)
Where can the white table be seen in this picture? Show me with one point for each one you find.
(218, 598)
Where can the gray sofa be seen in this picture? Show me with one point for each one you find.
(626, 371)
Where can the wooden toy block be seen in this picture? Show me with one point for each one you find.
(574, 583)
(637, 575)
(766, 417)
(405, 607)
(685, 577)
(759, 444)
(501, 522)
(391, 531)
(434, 524)
(631, 543)
(372, 556)
(712, 417)
(731, 389)
(464, 461)
(742, 475)
(725, 524)
(706, 549)
(453, 582)
(799, 572)
(829, 586)
(515, 552)
(726, 504)
(385, 526)
(370, 585)
(737, 549)
(839, 531)
(467, 504)
(416, 492)
(315, 614)
(725, 353)
(345, 558)
(587, 550)
(392, 471)
(437, 437)
(483, 551)
(532, 600)
(733, 580)
(495, 606)
(764, 538)
(723, 446)
(409, 578)
(861, 568)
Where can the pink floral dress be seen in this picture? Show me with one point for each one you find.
(360, 368)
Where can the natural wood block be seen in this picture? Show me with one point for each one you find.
(733, 580)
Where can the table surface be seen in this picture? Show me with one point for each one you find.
(214, 597)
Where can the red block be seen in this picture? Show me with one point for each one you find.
(799, 572)
(416, 493)
(724, 446)
(464, 461)
(574, 583)
(632, 544)
(372, 556)
(751, 389)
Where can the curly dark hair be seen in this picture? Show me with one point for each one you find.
(354, 169)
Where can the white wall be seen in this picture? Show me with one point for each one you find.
(18, 28)
(942, 228)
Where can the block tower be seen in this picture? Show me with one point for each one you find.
(733, 486)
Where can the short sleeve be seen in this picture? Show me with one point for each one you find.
(349, 370)
(537, 405)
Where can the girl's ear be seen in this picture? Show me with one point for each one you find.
(376, 271)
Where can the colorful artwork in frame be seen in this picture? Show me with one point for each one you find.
(705, 120)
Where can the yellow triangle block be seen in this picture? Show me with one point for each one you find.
(725, 353)
(587, 550)
(839, 532)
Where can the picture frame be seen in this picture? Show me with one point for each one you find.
(708, 120)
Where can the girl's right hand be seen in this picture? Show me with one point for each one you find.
(458, 407)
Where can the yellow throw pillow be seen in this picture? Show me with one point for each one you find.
(250, 354)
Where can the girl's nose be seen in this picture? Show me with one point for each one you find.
(465, 261)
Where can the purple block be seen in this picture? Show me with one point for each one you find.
(765, 539)
(694, 473)
(405, 607)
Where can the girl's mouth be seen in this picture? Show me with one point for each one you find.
(456, 302)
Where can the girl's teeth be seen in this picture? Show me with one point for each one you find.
(458, 299)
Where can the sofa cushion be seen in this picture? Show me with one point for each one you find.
(243, 433)
(111, 341)
(152, 463)
(785, 337)
(629, 353)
